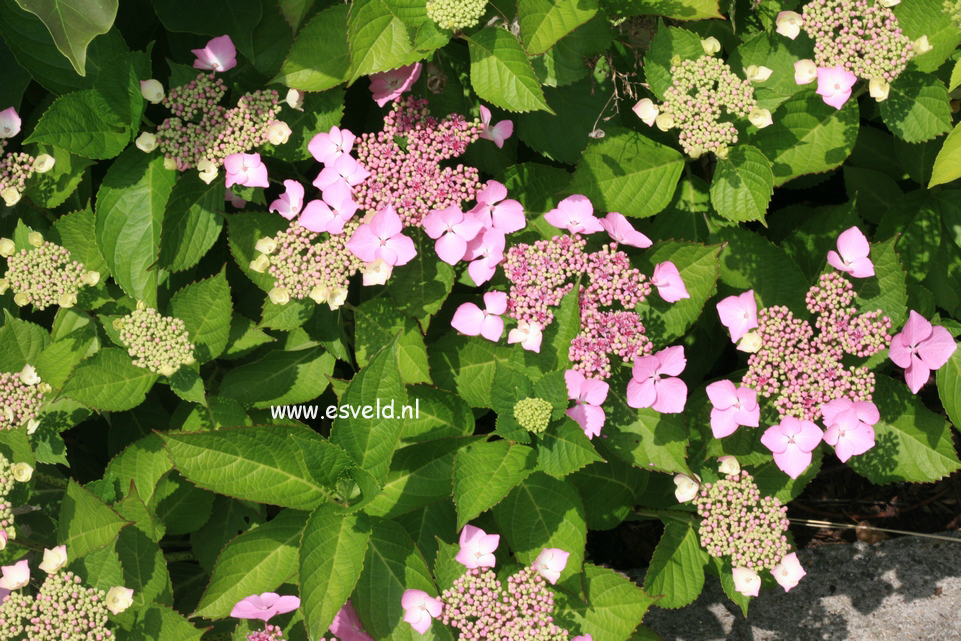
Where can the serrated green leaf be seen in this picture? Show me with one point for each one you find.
(187, 384)
(668, 43)
(949, 388)
(564, 449)
(160, 623)
(628, 173)
(236, 19)
(917, 216)
(52, 188)
(320, 58)
(437, 414)
(21, 343)
(743, 185)
(947, 166)
(609, 490)
(280, 378)
(260, 463)
(331, 559)
(677, 567)
(888, 290)
(82, 123)
(807, 137)
(109, 381)
(205, 309)
(928, 18)
(77, 232)
(752, 262)
(258, 560)
(144, 463)
(376, 322)
(85, 522)
(421, 287)
(646, 438)
(917, 108)
(485, 472)
(466, 365)
(60, 357)
(566, 62)
(544, 512)
(501, 73)
(192, 222)
(777, 54)
(73, 24)
(912, 443)
(129, 215)
(144, 567)
(378, 40)
(679, 10)
(544, 22)
(243, 231)
(614, 607)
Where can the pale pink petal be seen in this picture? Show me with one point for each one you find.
(401, 249)
(219, 55)
(346, 625)
(317, 216)
(672, 360)
(508, 217)
(835, 261)
(9, 123)
(645, 367)
(468, 319)
(723, 422)
(809, 436)
(618, 228)
(589, 417)
(574, 381)
(792, 461)
(492, 328)
(671, 395)
(668, 282)
(917, 329)
(481, 270)
(899, 352)
(774, 439)
(748, 417)
(290, 202)
(916, 374)
(867, 412)
(495, 302)
(852, 244)
(788, 573)
(936, 350)
(594, 391)
(738, 314)
(832, 409)
(723, 394)
(493, 193)
(450, 248)
(641, 393)
(363, 244)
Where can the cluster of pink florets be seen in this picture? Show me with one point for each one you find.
(270, 633)
(411, 177)
(6, 508)
(220, 132)
(63, 610)
(863, 38)
(305, 261)
(542, 273)
(15, 169)
(479, 607)
(19, 401)
(802, 370)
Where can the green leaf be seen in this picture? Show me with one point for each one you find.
(501, 74)
(917, 108)
(392, 565)
(160, 623)
(668, 43)
(912, 443)
(85, 522)
(544, 22)
(118, 83)
(698, 266)
(677, 567)
(129, 215)
(947, 166)
(260, 463)
(807, 136)
(77, 232)
(743, 185)
(888, 290)
(320, 58)
(295, 11)
(614, 607)
(62, 356)
(236, 19)
(144, 567)
(21, 343)
(485, 472)
(321, 111)
(677, 9)
(628, 173)
(544, 512)
(752, 262)
(808, 245)
(438, 414)
(872, 191)
(565, 63)
(109, 381)
(777, 54)
(949, 387)
(205, 308)
(376, 322)
(535, 185)
(83, 123)
(142, 463)
(646, 438)
(258, 560)
(280, 378)
(192, 222)
(609, 490)
(73, 24)
(51, 189)
(465, 365)
(564, 449)
(378, 40)
(370, 440)
(928, 18)
(421, 287)
(917, 216)
(332, 555)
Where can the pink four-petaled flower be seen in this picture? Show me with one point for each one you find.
(619, 229)
(792, 441)
(382, 238)
(788, 573)
(245, 169)
(290, 202)
(330, 214)
(452, 230)
(588, 394)
(575, 214)
(529, 335)
(733, 407)
(264, 606)
(328, 147)
(391, 84)
(420, 608)
(343, 168)
(669, 283)
(834, 85)
(477, 548)
(485, 252)
(919, 348)
(219, 55)
(550, 563)
(738, 314)
(853, 254)
(494, 212)
(471, 320)
(654, 384)
(849, 426)
(499, 132)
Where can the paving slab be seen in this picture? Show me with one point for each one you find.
(904, 589)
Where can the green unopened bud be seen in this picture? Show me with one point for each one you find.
(533, 414)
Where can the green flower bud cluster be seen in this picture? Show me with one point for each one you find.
(63, 610)
(14, 609)
(953, 9)
(6, 508)
(158, 343)
(533, 414)
(19, 399)
(739, 523)
(45, 275)
(456, 14)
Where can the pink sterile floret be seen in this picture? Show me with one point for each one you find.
(389, 85)
(469, 319)
(452, 230)
(733, 407)
(219, 55)
(499, 132)
(382, 238)
(738, 314)
(920, 348)
(792, 441)
(654, 384)
(853, 254)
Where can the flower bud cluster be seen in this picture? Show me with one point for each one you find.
(456, 14)
(63, 610)
(803, 370)
(479, 607)
(739, 523)
(155, 342)
(220, 132)
(860, 36)
(953, 10)
(705, 90)
(6, 508)
(45, 275)
(269, 633)
(15, 169)
(533, 414)
(20, 398)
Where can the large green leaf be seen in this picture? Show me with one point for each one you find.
(912, 443)
(236, 18)
(646, 438)
(73, 24)
(466, 365)
(51, 189)
(807, 136)
(743, 185)
(928, 18)
(280, 378)
(565, 62)
(614, 606)
(485, 472)
(144, 567)
(888, 290)
(544, 512)
(677, 567)
(258, 560)
(917, 108)
(501, 74)
(320, 58)
(77, 232)
(677, 9)
(750, 261)
(564, 449)
(205, 309)
(371, 440)
(949, 388)
(109, 381)
(544, 22)
(260, 463)
(192, 222)
(85, 522)
(628, 173)
(376, 322)
(777, 54)
(21, 343)
(144, 463)
(331, 559)
(83, 123)
(609, 490)
(129, 215)
(377, 39)
(947, 166)
(668, 44)
(163, 623)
